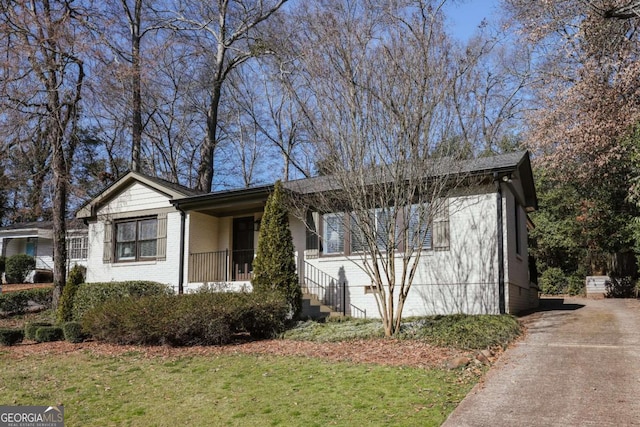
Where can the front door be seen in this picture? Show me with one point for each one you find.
(242, 249)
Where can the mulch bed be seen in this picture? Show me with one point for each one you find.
(24, 286)
(388, 352)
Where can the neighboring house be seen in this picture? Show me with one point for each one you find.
(146, 228)
(36, 239)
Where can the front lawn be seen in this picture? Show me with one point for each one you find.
(240, 390)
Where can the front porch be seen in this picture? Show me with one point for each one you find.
(323, 294)
(221, 266)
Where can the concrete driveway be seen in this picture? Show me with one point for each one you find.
(579, 365)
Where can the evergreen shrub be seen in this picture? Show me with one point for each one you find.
(553, 281)
(65, 307)
(49, 333)
(18, 267)
(73, 332)
(17, 302)
(91, 295)
(183, 320)
(31, 328)
(11, 336)
(274, 268)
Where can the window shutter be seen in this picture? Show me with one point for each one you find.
(441, 235)
(312, 231)
(161, 245)
(107, 252)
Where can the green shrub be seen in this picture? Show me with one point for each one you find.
(17, 302)
(553, 281)
(31, 328)
(14, 302)
(65, 306)
(91, 295)
(464, 331)
(49, 333)
(576, 285)
(11, 336)
(18, 267)
(73, 332)
(183, 320)
(274, 268)
(266, 316)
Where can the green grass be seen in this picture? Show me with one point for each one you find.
(459, 331)
(233, 390)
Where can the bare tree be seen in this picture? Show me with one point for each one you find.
(225, 30)
(42, 78)
(381, 76)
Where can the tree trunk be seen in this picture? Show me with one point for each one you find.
(136, 143)
(59, 225)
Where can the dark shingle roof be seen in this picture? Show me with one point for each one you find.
(443, 166)
(72, 224)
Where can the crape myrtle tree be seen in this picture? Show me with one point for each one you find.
(379, 79)
(274, 268)
(42, 74)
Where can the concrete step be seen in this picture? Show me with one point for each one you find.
(314, 309)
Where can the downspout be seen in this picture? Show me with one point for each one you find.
(181, 262)
(500, 221)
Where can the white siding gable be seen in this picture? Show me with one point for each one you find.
(136, 197)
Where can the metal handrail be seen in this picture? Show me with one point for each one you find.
(358, 312)
(329, 290)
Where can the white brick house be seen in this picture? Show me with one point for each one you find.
(36, 239)
(476, 260)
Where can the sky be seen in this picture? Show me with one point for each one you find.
(466, 15)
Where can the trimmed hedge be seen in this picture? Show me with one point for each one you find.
(91, 295)
(17, 302)
(49, 333)
(11, 336)
(73, 332)
(184, 320)
(30, 329)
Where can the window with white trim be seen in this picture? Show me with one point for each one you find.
(77, 247)
(136, 240)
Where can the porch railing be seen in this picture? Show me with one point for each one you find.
(330, 291)
(208, 266)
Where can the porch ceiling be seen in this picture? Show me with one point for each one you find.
(228, 203)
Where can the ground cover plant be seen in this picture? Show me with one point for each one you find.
(459, 331)
(131, 389)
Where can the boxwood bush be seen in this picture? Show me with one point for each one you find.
(73, 332)
(49, 333)
(17, 302)
(90, 295)
(183, 320)
(18, 267)
(11, 336)
(31, 328)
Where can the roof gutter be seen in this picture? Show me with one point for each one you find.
(181, 261)
(499, 232)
